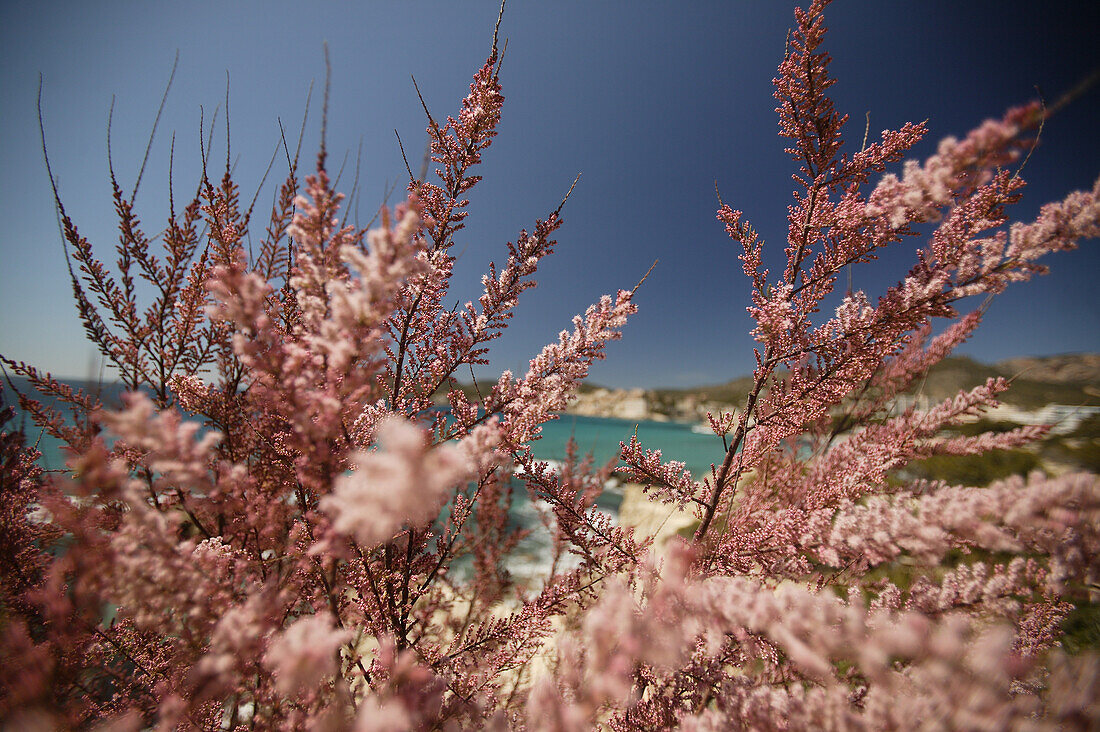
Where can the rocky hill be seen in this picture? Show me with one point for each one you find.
(1073, 368)
(1072, 379)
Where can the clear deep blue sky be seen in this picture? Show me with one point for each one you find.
(652, 102)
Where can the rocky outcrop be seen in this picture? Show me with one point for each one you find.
(645, 404)
(619, 403)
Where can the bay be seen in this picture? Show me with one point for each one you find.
(601, 436)
(598, 436)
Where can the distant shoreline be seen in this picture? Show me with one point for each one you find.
(1069, 379)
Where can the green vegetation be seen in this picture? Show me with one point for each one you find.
(981, 426)
(732, 393)
(958, 372)
(1082, 628)
(975, 469)
(1079, 449)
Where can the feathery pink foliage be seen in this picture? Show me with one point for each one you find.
(278, 531)
(403, 481)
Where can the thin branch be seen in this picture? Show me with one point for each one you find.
(644, 277)
(324, 108)
(402, 147)
(156, 121)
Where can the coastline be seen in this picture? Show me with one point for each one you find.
(648, 405)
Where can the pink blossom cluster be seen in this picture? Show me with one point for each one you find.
(282, 528)
(402, 482)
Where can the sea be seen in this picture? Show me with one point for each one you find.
(692, 444)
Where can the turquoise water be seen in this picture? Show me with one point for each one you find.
(53, 456)
(597, 435)
(601, 437)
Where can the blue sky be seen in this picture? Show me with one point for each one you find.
(651, 102)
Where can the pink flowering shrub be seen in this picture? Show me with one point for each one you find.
(270, 533)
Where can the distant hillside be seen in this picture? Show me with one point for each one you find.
(731, 391)
(1036, 381)
(1072, 379)
(1071, 368)
(107, 392)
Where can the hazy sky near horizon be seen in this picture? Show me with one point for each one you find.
(653, 103)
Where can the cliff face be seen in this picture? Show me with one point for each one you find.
(620, 403)
(646, 404)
